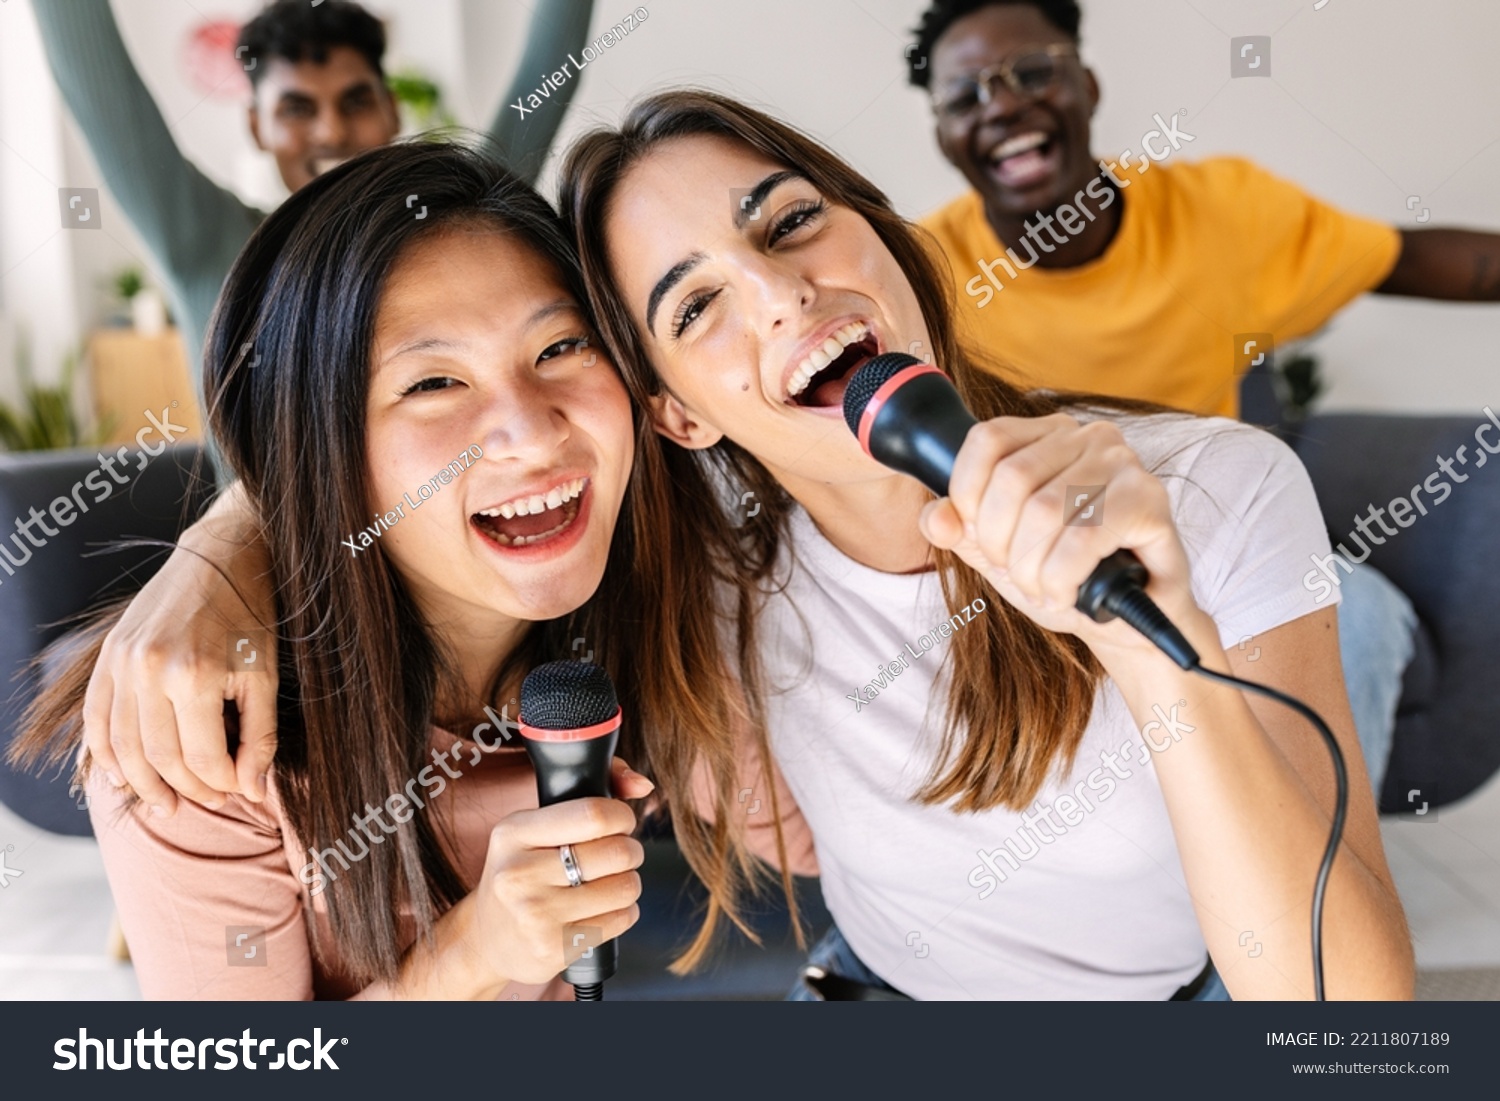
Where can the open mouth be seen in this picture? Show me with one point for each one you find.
(1025, 160)
(529, 521)
(820, 380)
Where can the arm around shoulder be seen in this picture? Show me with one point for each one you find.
(196, 635)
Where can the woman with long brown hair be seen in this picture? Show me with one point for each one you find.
(1007, 799)
(437, 461)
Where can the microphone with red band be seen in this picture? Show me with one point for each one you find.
(909, 416)
(570, 725)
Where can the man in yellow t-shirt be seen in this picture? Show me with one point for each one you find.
(1148, 277)
(1142, 277)
(1207, 259)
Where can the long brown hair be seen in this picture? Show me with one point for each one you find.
(1020, 696)
(361, 676)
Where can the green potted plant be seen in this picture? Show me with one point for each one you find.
(1299, 383)
(148, 311)
(43, 419)
(420, 101)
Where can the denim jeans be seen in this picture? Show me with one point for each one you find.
(1376, 622)
(834, 955)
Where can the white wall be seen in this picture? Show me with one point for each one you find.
(36, 265)
(1369, 102)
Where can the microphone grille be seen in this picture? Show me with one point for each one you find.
(567, 695)
(870, 378)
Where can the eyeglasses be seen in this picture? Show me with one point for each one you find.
(1026, 76)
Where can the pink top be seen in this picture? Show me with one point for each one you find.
(215, 904)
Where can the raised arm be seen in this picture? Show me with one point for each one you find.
(1459, 265)
(522, 134)
(191, 225)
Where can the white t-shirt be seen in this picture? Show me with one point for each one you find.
(1089, 901)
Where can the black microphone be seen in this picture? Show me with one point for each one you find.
(570, 723)
(909, 416)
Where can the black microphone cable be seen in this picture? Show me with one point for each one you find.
(909, 416)
(1340, 803)
(1122, 594)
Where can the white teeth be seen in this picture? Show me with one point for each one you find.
(530, 506)
(526, 540)
(825, 354)
(1022, 143)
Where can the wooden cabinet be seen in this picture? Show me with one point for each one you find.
(132, 373)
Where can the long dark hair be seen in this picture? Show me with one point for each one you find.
(1020, 696)
(286, 371)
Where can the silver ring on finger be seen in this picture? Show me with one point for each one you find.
(570, 865)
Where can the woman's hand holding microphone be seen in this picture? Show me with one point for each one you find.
(526, 912)
(1015, 512)
(518, 924)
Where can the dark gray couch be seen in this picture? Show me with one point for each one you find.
(1447, 739)
(68, 575)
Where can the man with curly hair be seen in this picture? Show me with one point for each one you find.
(1132, 276)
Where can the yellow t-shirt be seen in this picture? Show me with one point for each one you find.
(1210, 263)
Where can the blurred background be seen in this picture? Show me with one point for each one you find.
(1370, 105)
(1383, 107)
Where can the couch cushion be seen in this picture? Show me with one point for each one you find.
(1447, 740)
(71, 573)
